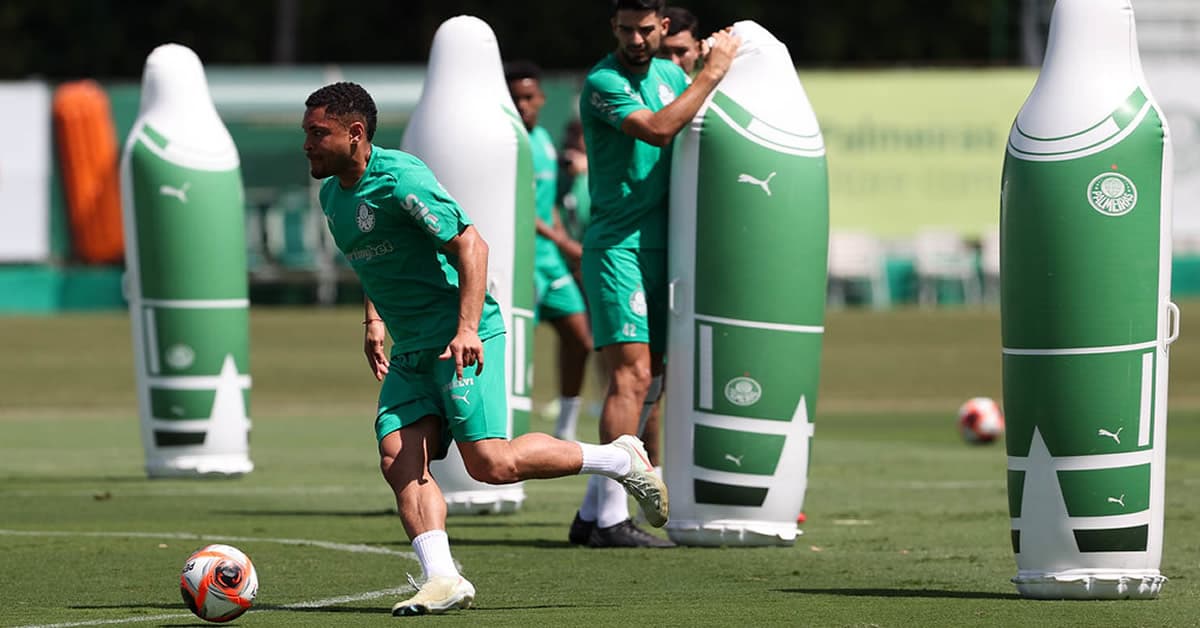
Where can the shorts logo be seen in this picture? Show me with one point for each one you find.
(743, 391)
(637, 303)
(666, 94)
(365, 218)
(459, 382)
(1112, 194)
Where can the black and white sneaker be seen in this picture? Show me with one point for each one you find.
(580, 531)
(625, 534)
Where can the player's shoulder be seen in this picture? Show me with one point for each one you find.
(397, 166)
(606, 73)
(540, 134)
(666, 69)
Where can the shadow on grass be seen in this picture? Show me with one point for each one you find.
(535, 607)
(498, 521)
(257, 608)
(89, 481)
(387, 512)
(928, 593)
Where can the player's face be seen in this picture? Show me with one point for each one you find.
(326, 143)
(639, 35)
(528, 96)
(682, 49)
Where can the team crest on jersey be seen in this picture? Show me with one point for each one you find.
(637, 303)
(365, 218)
(666, 94)
(1112, 194)
(743, 391)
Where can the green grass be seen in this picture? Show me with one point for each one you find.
(907, 526)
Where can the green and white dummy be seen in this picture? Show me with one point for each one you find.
(1086, 316)
(467, 130)
(748, 246)
(185, 255)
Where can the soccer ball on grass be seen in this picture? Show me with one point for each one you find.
(218, 583)
(980, 420)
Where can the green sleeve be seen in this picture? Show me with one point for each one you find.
(421, 198)
(606, 96)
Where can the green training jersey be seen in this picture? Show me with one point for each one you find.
(545, 177)
(628, 178)
(391, 226)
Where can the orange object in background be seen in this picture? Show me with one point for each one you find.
(89, 158)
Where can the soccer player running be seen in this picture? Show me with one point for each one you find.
(631, 107)
(559, 301)
(423, 267)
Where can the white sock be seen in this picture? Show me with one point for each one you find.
(613, 504)
(433, 552)
(589, 510)
(652, 395)
(568, 418)
(607, 460)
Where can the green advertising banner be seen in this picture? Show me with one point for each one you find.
(913, 148)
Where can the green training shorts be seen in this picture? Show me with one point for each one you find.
(558, 295)
(418, 384)
(626, 292)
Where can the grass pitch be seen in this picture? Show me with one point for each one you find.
(907, 526)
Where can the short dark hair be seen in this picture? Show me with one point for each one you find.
(521, 69)
(682, 20)
(658, 6)
(346, 101)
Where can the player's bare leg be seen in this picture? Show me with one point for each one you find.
(404, 459)
(629, 380)
(574, 347)
(539, 456)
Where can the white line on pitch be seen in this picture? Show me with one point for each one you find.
(201, 491)
(355, 548)
(344, 599)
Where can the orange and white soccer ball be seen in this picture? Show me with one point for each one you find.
(980, 420)
(218, 583)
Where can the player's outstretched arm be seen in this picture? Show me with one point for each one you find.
(374, 336)
(659, 127)
(471, 252)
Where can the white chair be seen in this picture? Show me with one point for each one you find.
(942, 255)
(855, 257)
(989, 263)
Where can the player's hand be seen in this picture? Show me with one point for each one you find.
(722, 48)
(377, 359)
(466, 349)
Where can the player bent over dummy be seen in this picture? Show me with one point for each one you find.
(631, 107)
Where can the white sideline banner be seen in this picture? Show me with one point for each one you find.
(25, 173)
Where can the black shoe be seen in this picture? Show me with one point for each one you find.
(625, 534)
(581, 531)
